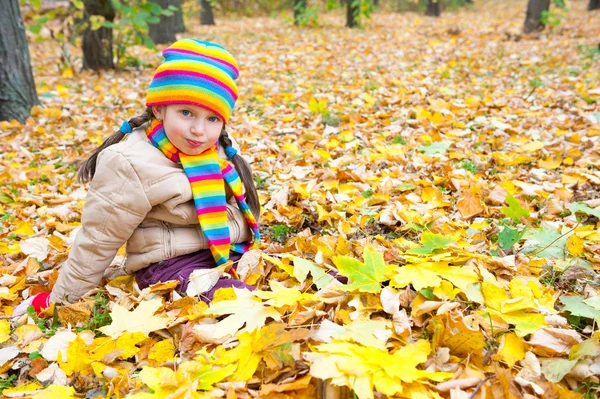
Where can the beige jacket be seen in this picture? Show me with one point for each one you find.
(141, 197)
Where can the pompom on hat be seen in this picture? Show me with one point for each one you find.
(196, 72)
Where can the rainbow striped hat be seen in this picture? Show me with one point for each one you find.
(198, 73)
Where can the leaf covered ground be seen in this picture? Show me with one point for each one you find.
(449, 168)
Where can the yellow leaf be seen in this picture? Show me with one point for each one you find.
(550, 163)
(291, 148)
(142, 319)
(28, 389)
(4, 331)
(62, 90)
(346, 136)
(24, 229)
(469, 205)
(531, 147)
(283, 266)
(493, 295)
(511, 350)
(366, 368)
(67, 73)
(323, 154)
(245, 309)
(430, 274)
(124, 347)
(56, 391)
(12, 249)
(162, 351)
(280, 295)
(524, 322)
(78, 358)
(575, 245)
(368, 98)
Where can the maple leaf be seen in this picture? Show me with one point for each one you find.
(189, 378)
(303, 267)
(272, 343)
(142, 319)
(367, 332)
(514, 210)
(431, 274)
(364, 368)
(431, 242)
(519, 310)
(435, 148)
(245, 309)
(367, 276)
(56, 391)
(281, 295)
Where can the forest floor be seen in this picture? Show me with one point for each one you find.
(449, 167)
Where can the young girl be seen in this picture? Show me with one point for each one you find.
(169, 190)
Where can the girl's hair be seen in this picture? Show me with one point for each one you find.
(88, 167)
(245, 172)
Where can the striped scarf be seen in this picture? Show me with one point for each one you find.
(207, 174)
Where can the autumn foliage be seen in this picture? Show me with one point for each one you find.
(431, 218)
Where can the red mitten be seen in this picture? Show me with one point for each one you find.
(41, 301)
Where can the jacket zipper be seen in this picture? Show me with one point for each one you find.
(168, 239)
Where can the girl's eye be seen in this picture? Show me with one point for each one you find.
(185, 112)
(214, 119)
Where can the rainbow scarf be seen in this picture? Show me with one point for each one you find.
(207, 174)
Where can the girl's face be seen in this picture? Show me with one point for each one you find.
(190, 128)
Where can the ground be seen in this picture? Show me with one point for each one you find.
(447, 166)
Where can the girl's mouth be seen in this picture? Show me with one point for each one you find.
(193, 143)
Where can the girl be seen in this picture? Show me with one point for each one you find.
(169, 190)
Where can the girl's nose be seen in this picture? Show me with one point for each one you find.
(198, 128)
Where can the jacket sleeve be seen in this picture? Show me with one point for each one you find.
(115, 205)
(238, 227)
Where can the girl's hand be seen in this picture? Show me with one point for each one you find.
(39, 302)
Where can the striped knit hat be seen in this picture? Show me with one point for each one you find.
(198, 73)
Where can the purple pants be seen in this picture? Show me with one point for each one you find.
(180, 268)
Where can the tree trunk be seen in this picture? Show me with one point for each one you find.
(299, 8)
(164, 31)
(17, 87)
(97, 45)
(433, 8)
(533, 19)
(206, 13)
(352, 12)
(179, 25)
(594, 5)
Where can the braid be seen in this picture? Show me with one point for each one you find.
(88, 167)
(243, 169)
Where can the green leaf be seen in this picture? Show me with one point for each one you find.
(78, 4)
(555, 369)
(438, 147)
(546, 242)
(514, 210)
(593, 302)
(35, 29)
(427, 293)
(583, 208)
(577, 307)
(509, 237)
(303, 267)
(367, 276)
(96, 21)
(431, 242)
(406, 187)
(153, 20)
